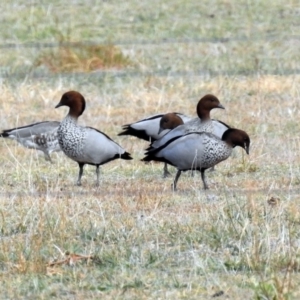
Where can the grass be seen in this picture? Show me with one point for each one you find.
(81, 57)
(238, 240)
(149, 242)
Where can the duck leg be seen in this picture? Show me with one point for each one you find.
(98, 175)
(47, 157)
(212, 169)
(166, 172)
(203, 179)
(80, 173)
(176, 179)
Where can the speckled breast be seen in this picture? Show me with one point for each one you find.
(199, 126)
(71, 139)
(215, 151)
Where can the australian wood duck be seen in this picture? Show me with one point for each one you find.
(202, 123)
(198, 151)
(171, 121)
(148, 128)
(40, 136)
(85, 145)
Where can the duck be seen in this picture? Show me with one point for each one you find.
(148, 129)
(170, 121)
(85, 145)
(40, 136)
(198, 151)
(201, 123)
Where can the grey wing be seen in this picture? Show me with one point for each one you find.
(99, 148)
(32, 129)
(179, 130)
(149, 125)
(183, 117)
(185, 152)
(219, 128)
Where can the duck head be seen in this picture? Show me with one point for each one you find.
(75, 101)
(169, 121)
(206, 104)
(236, 137)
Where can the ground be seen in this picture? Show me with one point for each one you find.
(138, 239)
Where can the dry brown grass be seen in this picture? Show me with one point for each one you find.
(239, 240)
(143, 235)
(82, 57)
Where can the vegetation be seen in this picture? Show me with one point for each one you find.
(82, 57)
(133, 238)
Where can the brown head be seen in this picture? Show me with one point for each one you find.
(206, 104)
(75, 101)
(169, 121)
(236, 137)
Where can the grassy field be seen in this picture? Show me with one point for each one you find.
(138, 239)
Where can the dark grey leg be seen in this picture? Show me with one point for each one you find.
(175, 180)
(80, 173)
(98, 175)
(212, 169)
(166, 172)
(203, 179)
(47, 157)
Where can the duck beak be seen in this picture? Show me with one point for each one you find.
(58, 105)
(221, 106)
(246, 147)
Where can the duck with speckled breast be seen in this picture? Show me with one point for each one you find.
(201, 123)
(172, 126)
(85, 145)
(198, 151)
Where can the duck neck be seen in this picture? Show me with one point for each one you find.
(204, 115)
(227, 138)
(71, 119)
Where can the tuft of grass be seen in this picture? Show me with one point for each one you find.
(81, 57)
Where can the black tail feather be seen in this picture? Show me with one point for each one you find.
(126, 156)
(126, 131)
(4, 134)
(141, 134)
(151, 156)
(147, 158)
